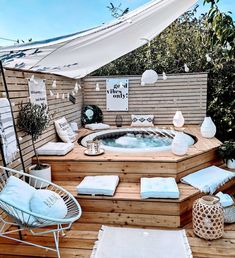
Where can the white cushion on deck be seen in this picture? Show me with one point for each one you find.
(55, 148)
(97, 126)
(159, 187)
(207, 180)
(98, 185)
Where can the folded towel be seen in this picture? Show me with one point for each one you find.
(225, 199)
(98, 185)
(159, 187)
(97, 126)
(7, 131)
(207, 180)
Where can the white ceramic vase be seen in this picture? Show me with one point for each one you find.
(42, 173)
(179, 144)
(231, 163)
(178, 119)
(208, 128)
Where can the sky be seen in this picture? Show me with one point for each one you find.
(42, 19)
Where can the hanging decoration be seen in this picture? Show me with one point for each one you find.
(37, 91)
(186, 69)
(164, 77)
(76, 87)
(54, 84)
(97, 87)
(149, 76)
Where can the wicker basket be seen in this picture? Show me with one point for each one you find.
(208, 218)
(229, 213)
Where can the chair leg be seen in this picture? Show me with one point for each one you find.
(57, 239)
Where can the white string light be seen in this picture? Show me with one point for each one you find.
(68, 95)
(63, 96)
(32, 79)
(4, 94)
(54, 84)
(97, 87)
(164, 77)
(208, 58)
(57, 95)
(186, 69)
(76, 88)
(51, 93)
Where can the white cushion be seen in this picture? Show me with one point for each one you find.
(64, 130)
(48, 203)
(207, 180)
(142, 120)
(98, 185)
(97, 126)
(159, 187)
(55, 148)
(18, 193)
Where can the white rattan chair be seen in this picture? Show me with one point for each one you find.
(26, 220)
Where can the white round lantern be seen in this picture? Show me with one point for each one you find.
(178, 119)
(179, 144)
(149, 77)
(208, 128)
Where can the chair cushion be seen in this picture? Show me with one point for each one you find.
(55, 148)
(142, 120)
(159, 187)
(48, 203)
(98, 185)
(64, 130)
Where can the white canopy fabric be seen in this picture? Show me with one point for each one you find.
(79, 54)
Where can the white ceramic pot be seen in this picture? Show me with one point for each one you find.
(44, 173)
(231, 163)
(178, 119)
(208, 128)
(179, 144)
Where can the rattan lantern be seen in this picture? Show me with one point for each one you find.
(208, 217)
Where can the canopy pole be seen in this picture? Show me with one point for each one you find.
(17, 139)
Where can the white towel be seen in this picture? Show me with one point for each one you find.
(97, 126)
(225, 199)
(7, 131)
(207, 180)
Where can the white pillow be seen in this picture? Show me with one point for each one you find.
(18, 193)
(98, 185)
(142, 120)
(48, 203)
(64, 130)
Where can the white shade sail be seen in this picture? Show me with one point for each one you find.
(79, 54)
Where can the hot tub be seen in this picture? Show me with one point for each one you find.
(135, 139)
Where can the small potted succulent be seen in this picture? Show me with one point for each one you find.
(227, 153)
(33, 119)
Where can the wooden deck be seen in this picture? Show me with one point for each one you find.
(131, 166)
(79, 242)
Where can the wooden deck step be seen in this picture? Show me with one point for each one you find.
(127, 208)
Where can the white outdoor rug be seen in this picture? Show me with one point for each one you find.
(114, 242)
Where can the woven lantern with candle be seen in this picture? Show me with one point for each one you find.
(208, 217)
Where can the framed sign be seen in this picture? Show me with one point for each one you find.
(117, 94)
(37, 91)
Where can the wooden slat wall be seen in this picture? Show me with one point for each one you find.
(18, 92)
(187, 92)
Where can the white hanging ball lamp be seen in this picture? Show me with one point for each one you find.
(54, 84)
(149, 77)
(51, 93)
(164, 77)
(178, 119)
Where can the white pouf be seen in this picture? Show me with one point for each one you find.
(98, 185)
(159, 187)
(48, 203)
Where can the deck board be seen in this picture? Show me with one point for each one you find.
(80, 239)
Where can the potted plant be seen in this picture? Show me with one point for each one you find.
(33, 119)
(227, 153)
